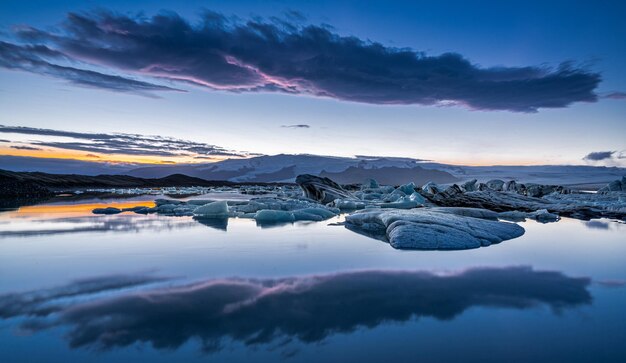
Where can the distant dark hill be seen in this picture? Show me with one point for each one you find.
(390, 175)
(14, 187)
(161, 171)
(70, 181)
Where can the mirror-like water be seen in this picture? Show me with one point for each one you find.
(126, 287)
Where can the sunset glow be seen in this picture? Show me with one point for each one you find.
(52, 153)
(312, 181)
(75, 209)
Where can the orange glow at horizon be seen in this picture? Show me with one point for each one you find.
(52, 153)
(73, 210)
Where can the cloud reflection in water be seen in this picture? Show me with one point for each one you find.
(307, 308)
(86, 224)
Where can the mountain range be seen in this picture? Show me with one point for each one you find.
(284, 168)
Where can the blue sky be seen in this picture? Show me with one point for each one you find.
(474, 130)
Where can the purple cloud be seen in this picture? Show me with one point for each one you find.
(35, 59)
(292, 57)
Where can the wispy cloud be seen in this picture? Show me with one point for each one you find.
(299, 126)
(18, 147)
(285, 55)
(35, 59)
(35, 303)
(616, 95)
(612, 283)
(119, 143)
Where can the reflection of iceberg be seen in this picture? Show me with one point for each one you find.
(216, 223)
(309, 308)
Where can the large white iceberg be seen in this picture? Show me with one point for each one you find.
(433, 229)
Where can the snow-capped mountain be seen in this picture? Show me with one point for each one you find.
(276, 168)
(284, 168)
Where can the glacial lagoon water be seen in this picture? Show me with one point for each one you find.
(78, 287)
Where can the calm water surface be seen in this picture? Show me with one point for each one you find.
(76, 287)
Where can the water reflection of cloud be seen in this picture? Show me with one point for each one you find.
(46, 301)
(309, 308)
(119, 223)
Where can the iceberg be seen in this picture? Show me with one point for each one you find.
(369, 184)
(108, 210)
(166, 208)
(274, 216)
(322, 190)
(304, 214)
(322, 212)
(615, 186)
(433, 229)
(212, 210)
(349, 204)
(454, 216)
(300, 215)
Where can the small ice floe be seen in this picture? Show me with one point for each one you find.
(454, 216)
(212, 210)
(107, 210)
(264, 209)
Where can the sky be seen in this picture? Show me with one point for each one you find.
(485, 83)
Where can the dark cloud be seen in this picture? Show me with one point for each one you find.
(92, 156)
(293, 57)
(298, 126)
(18, 147)
(307, 308)
(118, 143)
(34, 58)
(599, 155)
